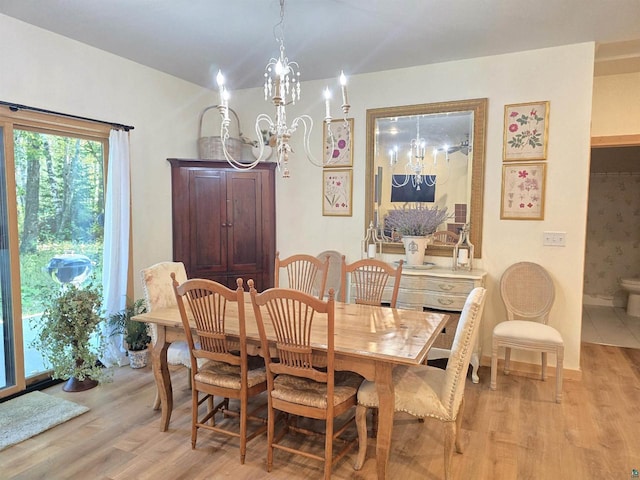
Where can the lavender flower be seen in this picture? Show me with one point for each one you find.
(419, 221)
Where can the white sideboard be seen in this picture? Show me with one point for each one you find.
(439, 289)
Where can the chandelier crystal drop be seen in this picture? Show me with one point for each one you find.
(281, 86)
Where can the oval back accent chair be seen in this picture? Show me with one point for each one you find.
(528, 293)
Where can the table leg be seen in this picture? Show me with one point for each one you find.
(163, 379)
(386, 404)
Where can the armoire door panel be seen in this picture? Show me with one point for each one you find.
(244, 195)
(208, 221)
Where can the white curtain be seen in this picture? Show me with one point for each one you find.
(116, 240)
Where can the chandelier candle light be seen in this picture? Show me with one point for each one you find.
(282, 84)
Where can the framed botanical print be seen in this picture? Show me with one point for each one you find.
(337, 187)
(339, 151)
(523, 190)
(526, 127)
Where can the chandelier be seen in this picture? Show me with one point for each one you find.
(416, 170)
(282, 87)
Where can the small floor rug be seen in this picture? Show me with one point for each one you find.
(28, 415)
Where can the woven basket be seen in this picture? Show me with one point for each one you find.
(210, 148)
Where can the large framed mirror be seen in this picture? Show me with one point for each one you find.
(433, 154)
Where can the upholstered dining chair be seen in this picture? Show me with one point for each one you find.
(158, 293)
(528, 293)
(217, 369)
(305, 273)
(334, 279)
(301, 383)
(369, 278)
(425, 391)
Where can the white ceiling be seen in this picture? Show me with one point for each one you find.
(192, 39)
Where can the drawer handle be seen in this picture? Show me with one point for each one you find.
(446, 286)
(445, 301)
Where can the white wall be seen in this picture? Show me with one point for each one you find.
(562, 75)
(616, 105)
(55, 73)
(45, 70)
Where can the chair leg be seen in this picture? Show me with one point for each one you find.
(194, 418)
(494, 365)
(459, 426)
(449, 434)
(243, 429)
(507, 360)
(559, 368)
(361, 425)
(544, 366)
(270, 434)
(328, 447)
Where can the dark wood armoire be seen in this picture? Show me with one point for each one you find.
(224, 221)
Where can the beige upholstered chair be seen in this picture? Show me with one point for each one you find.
(301, 383)
(528, 293)
(369, 278)
(334, 279)
(445, 237)
(305, 273)
(425, 391)
(158, 293)
(217, 368)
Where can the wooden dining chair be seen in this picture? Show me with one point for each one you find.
(305, 273)
(302, 383)
(527, 293)
(158, 293)
(424, 391)
(225, 372)
(445, 237)
(369, 278)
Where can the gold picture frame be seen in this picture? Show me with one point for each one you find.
(526, 129)
(523, 191)
(339, 153)
(337, 192)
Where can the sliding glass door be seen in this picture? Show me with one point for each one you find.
(51, 233)
(8, 362)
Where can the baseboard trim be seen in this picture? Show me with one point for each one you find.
(531, 370)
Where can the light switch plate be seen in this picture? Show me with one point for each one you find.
(554, 239)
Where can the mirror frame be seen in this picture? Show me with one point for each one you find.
(479, 108)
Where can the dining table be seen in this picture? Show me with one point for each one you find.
(369, 340)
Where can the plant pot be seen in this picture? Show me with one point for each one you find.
(138, 358)
(414, 248)
(75, 385)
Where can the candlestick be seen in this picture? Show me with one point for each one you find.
(343, 84)
(220, 81)
(327, 105)
(463, 257)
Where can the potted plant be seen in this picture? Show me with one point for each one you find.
(415, 224)
(69, 337)
(136, 336)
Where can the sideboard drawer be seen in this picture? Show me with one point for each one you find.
(449, 286)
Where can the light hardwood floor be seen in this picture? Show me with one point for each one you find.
(517, 432)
